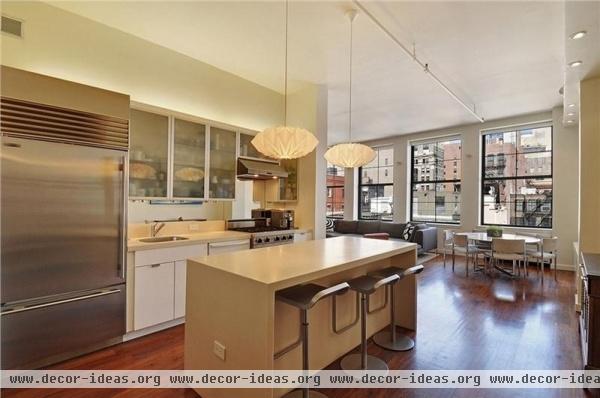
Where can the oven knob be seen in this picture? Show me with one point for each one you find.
(291, 237)
(258, 240)
(283, 238)
(267, 240)
(276, 238)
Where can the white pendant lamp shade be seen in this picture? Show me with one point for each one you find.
(350, 155)
(284, 142)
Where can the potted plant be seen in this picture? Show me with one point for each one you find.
(494, 231)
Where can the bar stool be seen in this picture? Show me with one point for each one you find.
(365, 285)
(390, 340)
(304, 297)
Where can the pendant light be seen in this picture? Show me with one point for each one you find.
(285, 142)
(350, 154)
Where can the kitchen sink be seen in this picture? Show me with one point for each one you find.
(163, 239)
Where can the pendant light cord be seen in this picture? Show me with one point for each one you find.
(285, 80)
(350, 93)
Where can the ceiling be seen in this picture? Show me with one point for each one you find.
(506, 58)
(580, 16)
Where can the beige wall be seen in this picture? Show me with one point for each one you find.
(589, 131)
(64, 45)
(565, 172)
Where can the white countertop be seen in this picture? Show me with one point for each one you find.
(303, 261)
(202, 237)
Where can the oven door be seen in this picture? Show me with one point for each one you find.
(228, 247)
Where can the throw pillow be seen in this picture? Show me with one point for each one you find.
(409, 229)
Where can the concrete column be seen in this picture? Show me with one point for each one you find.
(351, 179)
(307, 108)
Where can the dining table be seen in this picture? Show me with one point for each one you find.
(483, 237)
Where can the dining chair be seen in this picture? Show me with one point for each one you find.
(485, 249)
(548, 250)
(447, 235)
(510, 250)
(460, 243)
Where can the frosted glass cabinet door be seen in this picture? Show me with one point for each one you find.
(222, 163)
(189, 143)
(247, 149)
(288, 187)
(148, 156)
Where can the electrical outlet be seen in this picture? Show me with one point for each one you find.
(194, 227)
(219, 350)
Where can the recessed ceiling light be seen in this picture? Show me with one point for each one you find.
(571, 105)
(575, 64)
(578, 35)
(570, 114)
(569, 121)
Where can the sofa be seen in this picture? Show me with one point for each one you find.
(423, 235)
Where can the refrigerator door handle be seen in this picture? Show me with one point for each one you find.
(33, 307)
(122, 261)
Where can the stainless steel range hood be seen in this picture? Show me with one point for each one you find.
(259, 169)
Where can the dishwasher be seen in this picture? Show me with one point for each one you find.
(228, 247)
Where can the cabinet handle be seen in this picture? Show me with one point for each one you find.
(155, 265)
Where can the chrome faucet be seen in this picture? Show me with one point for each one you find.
(155, 228)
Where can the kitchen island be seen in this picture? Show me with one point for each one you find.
(230, 301)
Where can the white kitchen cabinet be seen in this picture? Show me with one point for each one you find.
(159, 285)
(154, 292)
(180, 275)
(302, 236)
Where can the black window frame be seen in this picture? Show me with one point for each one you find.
(333, 187)
(434, 182)
(516, 129)
(378, 185)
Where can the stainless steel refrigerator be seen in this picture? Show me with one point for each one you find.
(62, 255)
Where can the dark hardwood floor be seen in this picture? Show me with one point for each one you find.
(474, 322)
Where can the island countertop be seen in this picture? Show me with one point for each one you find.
(277, 266)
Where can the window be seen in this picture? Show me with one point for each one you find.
(439, 199)
(335, 191)
(375, 188)
(516, 183)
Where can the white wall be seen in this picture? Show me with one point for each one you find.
(565, 176)
(64, 45)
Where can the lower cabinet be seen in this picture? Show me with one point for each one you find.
(160, 280)
(154, 290)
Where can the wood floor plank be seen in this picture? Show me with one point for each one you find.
(474, 322)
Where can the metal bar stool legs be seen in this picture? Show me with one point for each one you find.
(365, 286)
(390, 340)
(305, 297)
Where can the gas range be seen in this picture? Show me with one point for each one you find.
(261, 234)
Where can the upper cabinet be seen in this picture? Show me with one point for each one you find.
(223, 158)
(148, 156)
(288, 187)
(189, 159)
(175, 158)
(246, 147)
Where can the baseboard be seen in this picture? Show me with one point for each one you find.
(153, 329)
